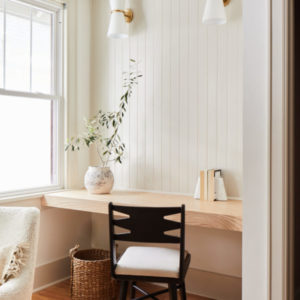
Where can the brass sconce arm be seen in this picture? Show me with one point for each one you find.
(128, 14)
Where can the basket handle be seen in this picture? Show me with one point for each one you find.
(71, 254)
(74, 250)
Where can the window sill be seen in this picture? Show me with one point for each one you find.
(29, 195)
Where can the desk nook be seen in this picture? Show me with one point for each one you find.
(224, 215)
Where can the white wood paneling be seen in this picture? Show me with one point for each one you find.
(186, 113)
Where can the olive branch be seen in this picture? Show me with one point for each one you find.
(102, 130)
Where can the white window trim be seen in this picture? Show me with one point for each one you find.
(58, 10)
(53, 6)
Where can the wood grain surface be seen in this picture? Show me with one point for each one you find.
(224, 215)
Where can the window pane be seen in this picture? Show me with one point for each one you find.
(25, 152)
(1, 43)
(17, 46)
(41, 51)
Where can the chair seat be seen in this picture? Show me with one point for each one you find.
(149, 261)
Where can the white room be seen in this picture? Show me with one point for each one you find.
(184, 102)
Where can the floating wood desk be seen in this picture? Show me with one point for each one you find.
(224, 215)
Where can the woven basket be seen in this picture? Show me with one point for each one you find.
(90, 275)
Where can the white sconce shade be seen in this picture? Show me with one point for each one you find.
(214, 13)
(119, 19)
(118, 28)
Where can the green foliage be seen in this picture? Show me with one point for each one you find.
(102, 130)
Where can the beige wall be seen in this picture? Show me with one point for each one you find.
(186, 114)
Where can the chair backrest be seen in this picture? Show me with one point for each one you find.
(147, 225)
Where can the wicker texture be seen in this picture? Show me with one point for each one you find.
(91, 276)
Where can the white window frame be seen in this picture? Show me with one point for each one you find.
(58, 95)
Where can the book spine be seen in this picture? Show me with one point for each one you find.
(203, 185)
(211, 185)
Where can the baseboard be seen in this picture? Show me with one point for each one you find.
(51, 273)
(213, 285)
(198, 282)
(50, 284)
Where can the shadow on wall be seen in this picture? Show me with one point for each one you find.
(236, 13)
(139, 20)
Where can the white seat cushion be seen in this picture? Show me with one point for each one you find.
(149, 261)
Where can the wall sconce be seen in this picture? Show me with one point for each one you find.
(119, 20)
(214, 12)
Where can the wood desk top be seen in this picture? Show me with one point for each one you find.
(224, 215)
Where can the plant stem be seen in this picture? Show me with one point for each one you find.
(99, 154)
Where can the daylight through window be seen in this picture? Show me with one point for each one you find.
(30, 96)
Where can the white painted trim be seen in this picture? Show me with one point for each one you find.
(51, 261)
(53, 6)
(4, 44)
(60, 89)
(27, 196)
(29, 95)
(216, 273)
(256, 147)
(57, 98)
(50, 284)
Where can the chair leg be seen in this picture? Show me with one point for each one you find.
(172, 291)
(123, 290)
(182, 291)
(132, 290)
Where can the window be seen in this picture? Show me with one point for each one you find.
(30, 96)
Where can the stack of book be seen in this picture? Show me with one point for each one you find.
(210, 186)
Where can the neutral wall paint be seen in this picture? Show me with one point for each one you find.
(186, 113)
(256, 133)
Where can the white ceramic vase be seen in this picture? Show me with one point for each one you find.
(99, 180)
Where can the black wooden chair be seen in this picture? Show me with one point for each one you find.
(152, 264)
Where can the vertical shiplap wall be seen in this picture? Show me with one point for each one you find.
(186, 113)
